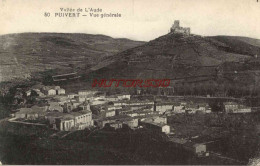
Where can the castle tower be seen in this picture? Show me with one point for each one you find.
(177, 29)
(175, 26)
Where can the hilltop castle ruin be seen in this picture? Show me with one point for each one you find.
(177, 29)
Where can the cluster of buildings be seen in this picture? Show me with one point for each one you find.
(42, 91)
(233, 107)
(61, 111)
(190, 108)
(133, 113)
(87, 108)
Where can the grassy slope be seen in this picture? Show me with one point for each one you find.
(176, 56)
(27, 53)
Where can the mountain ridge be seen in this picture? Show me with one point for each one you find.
(24, 54)
(177, 57)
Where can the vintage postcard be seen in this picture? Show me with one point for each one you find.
(130, 82)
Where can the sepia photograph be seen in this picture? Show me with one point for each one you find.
(130, 82)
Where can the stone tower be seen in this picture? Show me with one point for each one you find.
(176, 24)
(177, 29)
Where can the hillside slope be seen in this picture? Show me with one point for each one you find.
(24, 54)
(238, 44)
(177, 57)
(168, 54)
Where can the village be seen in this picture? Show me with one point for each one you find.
(93, 109)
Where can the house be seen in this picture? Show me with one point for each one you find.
(80, 98)
(131, 113)
(242, 109)
(61, 91)
(72, 95)
(155, 118)
(82, 119)
(28, 92)
(196, 148)
(204, 108)
(166, 129)
(179, 109)
(160, 119)
(107, 113)
(75, 104)
(136, 107)
(65, 123)
(163, 107)
(124, 119)
(74, 121)
(208, 110)
(112, 107)
(116, 125)
(87, 93)
(55, 106)
(112, 98)
(110, 113)
(22, 113)
(191, 108)
(42, 107)
(104, 110)
(98, 102)
(158, 127)
(61, 99)
(140, 112)
(124, 96)
(230, 106)
(50, 91)
(52, 116)
(133, 103)
(83, 92)
(30, 113)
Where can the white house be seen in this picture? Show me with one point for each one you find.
(61, 91)
(28, 93)
(166, 129)
(230, 106)
(75, 120)
(163, 107)
(49, 91)
(87, 93)
(121, 97)
(179, 109)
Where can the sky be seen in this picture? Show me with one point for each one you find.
(141, 20)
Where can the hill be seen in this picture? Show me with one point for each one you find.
(24, 54)
(173, 56)
(184, 59)
(238, 44)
